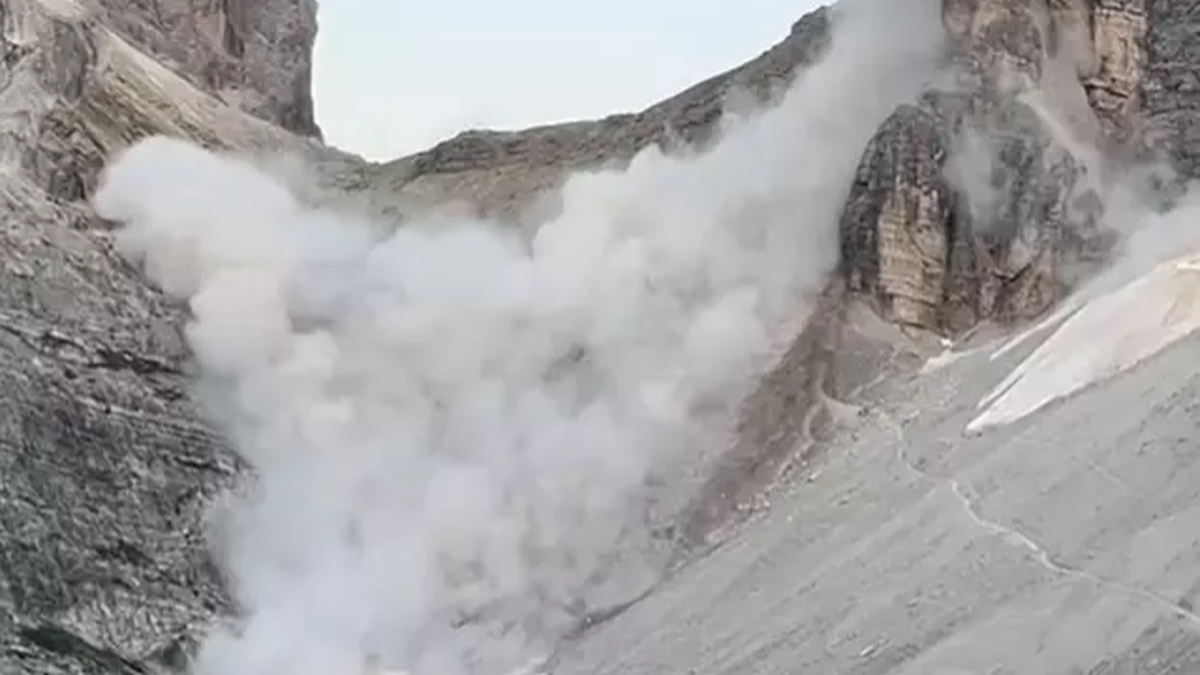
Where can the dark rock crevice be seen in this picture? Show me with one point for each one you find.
(72, 648)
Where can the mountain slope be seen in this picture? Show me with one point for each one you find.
(256, 56)
(1062, 543)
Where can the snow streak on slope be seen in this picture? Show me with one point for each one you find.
(451, 425)
(1113, 323)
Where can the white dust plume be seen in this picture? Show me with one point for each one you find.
(450, 425)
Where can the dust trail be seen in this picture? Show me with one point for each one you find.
(450, 425)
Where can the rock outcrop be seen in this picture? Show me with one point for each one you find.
(1052, 96)
(106, 467)
(255, 55)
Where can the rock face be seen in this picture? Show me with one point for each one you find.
(939, 248)
(106, 467)
(255, 55)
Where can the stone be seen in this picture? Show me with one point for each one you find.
(1057, 92)
(255, 55)
(107, 467)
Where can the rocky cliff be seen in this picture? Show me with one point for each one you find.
(106, 469)
(255, 55)
(106, 466)
(1065, 95)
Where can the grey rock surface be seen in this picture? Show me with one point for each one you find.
(1116, 77)
(107, 468)
(1168, 85)
(255, 55)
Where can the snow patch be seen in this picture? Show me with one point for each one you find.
(65, 10)
(1101, 338)
(948, 357)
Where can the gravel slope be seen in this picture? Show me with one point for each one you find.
(1062, 543)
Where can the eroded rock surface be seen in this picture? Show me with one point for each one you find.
(980, 202)
(1169, 86)
(107, 468)
(254, 54)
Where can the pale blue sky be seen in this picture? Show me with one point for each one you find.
(394, 76)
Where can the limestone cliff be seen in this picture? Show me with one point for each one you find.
(253, 54)
(106, 469)
(1037, 81)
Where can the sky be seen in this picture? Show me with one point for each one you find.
(393, 77)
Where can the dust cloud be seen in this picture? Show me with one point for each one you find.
(450, 426)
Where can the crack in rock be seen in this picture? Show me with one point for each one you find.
(66, 348)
